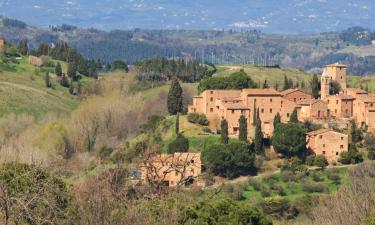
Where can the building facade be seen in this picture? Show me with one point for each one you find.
(328, 143)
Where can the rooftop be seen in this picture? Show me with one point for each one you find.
(337, 65)
(308, 101)
(257, 91)
(317, 132)
(289, 91)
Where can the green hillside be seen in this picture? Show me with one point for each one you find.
(23, 90)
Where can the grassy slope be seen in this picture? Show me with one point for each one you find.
(23, 90)
(259, 74)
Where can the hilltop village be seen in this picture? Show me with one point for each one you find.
(339, 109)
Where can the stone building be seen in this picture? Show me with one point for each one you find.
(340, 106)
(231, 104)
(313, 110)
(295, 95)
(328, 143)
(172, 170)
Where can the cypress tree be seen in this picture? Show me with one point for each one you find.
(276, 120)
(23, 47)
(224, 132)
(265, 84)
(177, 123)
(47, 80)
(72, 71)
(58, 70)
(71, 88)
(294, 117)
(315, 86)
(174, 101)
(258, 140)
(243, 128)
(286, 83)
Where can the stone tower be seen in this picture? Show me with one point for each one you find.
(325, 86)
(337, 72)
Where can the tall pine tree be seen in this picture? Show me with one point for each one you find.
(286, 83)
(58, 70)
(243, 128)
(47, 80)
(294, 117)
(276, 120)
(258, 140)
(224, 132)
(174, 101)
(315, 87)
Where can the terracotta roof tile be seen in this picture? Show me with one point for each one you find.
(257, 91)
(289, 91)
(317, 132)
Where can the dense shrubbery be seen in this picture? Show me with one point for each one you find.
(197, 118)
(289, 140)
(351, 157)
(224, 211)
(278, 207)
(180, 144)
(230, 160)
(238, 80)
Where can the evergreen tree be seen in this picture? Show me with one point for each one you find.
(315, 86)
(71, 88)
(289, 140)
(72, 71)
(286, 83)
(64, 81)
(276, 120)
(243, 128)
(258, 140)
(174, 101)
(47, 80)
(224, 132)
(303, 85)
(265, 84)
(23, 47)
(366, 87)
(276, 86)
(58, 70)
(294, 117)
(177, 123)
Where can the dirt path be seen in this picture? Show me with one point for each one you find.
(23, 87)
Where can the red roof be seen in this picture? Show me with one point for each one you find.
(257, 91)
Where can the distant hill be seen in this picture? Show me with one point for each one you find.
(287, 16)
(308, 52)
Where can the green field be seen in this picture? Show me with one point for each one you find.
(23, 90)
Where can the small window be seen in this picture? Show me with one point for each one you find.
(320, 136)
(232, 111)
(176, 173)
(192, 170)
(212, 99)
(262, 110)
(337, 102)
(295, 99)
(270, 110)
(324, 152)
(287, 115)
(337, 153)
(211, 109)
(270, 99)
(371, 105)
(212, 92)
(324, 145)
(342, 138)
(341, 146)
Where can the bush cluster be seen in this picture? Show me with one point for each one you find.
(197, 118)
